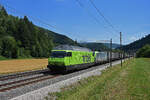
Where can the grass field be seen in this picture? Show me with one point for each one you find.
(21, 65)
(3, 58)
(130, 82)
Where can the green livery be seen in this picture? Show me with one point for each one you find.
(66, 57)
(61, 60)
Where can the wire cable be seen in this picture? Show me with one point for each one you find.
(23, 14)
(82, 6)
(96, 20)
(35, 19)
(88, 12)
(102, 15)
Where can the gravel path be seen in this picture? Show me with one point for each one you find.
(38, 91)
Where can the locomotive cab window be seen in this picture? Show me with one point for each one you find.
(58, 54)
(69, 54)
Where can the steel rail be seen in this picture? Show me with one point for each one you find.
(26, 82)
(21, 74)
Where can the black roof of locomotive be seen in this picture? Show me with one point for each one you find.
(70, 47)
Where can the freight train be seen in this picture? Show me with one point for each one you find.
(66, 58)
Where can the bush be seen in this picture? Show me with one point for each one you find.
(144, 51)
(9, 47)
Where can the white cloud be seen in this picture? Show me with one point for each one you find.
(133, 38)
(137, 36)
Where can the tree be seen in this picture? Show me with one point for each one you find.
(3, 12)
(19, 37)
(9, 47)
(0, 47)
(144, 51)
(38, 50)
(2, 31)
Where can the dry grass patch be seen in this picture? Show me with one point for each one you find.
(11, 66)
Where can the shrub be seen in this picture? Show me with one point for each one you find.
(144, 51)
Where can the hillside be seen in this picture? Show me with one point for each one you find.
(59, 38)
(96, 46)
(134, 46)
(114, 45)
(20, 38)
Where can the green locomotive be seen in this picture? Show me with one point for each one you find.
(65, 58)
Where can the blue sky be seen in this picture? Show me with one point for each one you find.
(131, 17)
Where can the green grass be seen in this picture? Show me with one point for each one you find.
(130, 82)
(3, 58)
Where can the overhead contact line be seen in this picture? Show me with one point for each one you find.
(36, 19)
(102, 15)
(89, 14)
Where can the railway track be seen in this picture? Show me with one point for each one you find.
(21, 74)
(19, 83)
(13, 81)
(9, 82)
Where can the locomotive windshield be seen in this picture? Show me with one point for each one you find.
(60, 54)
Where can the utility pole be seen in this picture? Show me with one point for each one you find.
(110, 52)
(121, 47)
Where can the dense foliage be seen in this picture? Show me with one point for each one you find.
(21, 38)
(144, 51)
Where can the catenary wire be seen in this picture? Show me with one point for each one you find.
(34, 18)
(96, 20)
(102, 15)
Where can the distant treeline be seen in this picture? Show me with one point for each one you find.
(21, 38)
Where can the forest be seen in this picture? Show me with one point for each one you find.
(20, 38)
